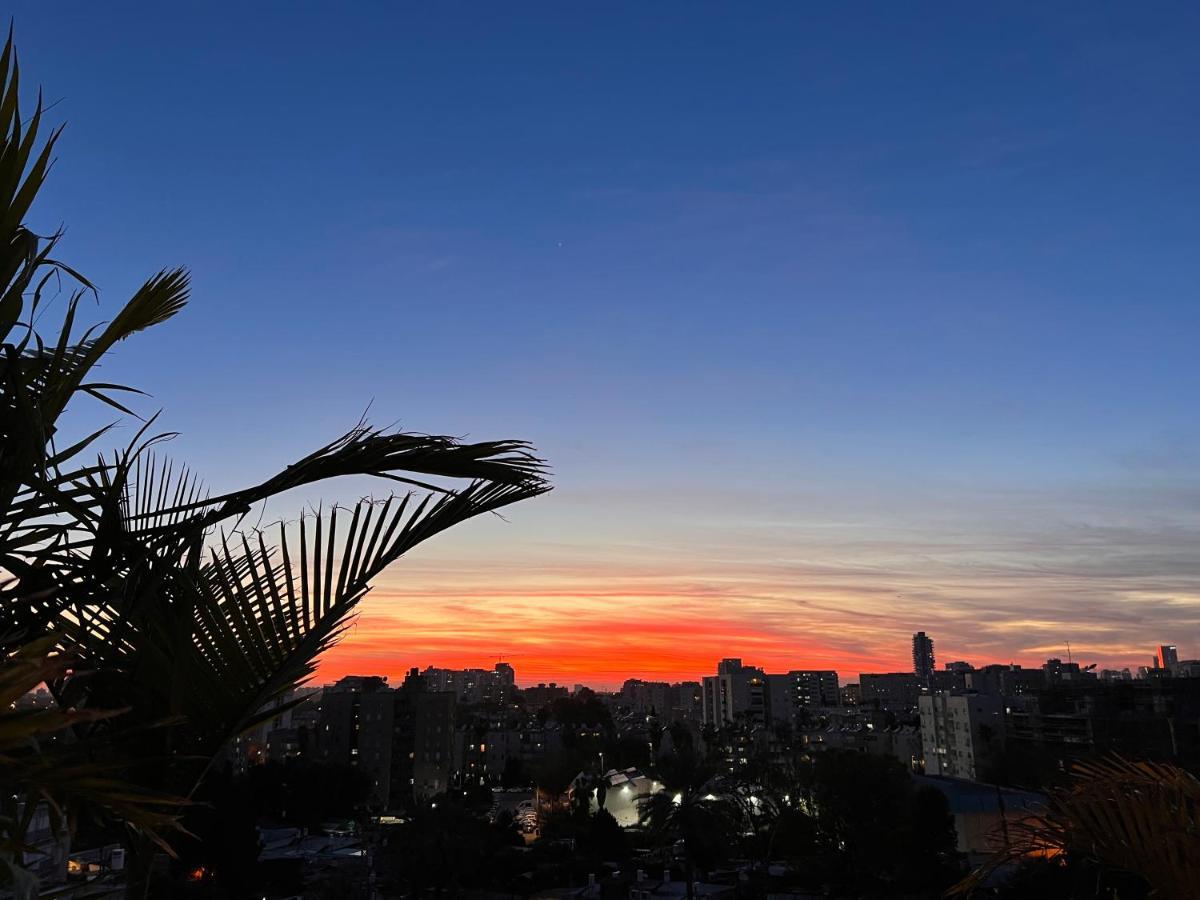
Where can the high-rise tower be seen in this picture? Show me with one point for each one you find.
(1167, 656)
(923, 664)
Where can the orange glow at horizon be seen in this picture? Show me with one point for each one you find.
(598, 651)
(599, 625)
(590, 627)
(597, 588)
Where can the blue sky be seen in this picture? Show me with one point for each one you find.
(773, 284)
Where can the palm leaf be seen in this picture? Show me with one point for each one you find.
(1138, 817)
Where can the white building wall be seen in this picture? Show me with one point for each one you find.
(957, 731)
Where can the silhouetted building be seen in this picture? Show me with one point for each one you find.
(688, 703)
(1057, 671)
(496, 685)
(1153, 718)
(339, 717)
(260, 744)
(542, 695)
(735, 693)
(1166, 656)
(922, 655)
(894, 691)
(433, 743)
(793, 695)
(351, 729)
(952, 677)
(422, 741)
(1006, 680)
(646, 697)
(402, 739)
(505, 674)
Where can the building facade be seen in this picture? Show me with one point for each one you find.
(922, 656)
(1166, 656)
(737, 693)
(960, 733)
(893, 691)
(792, 697)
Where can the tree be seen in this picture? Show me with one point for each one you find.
(41, 766)
(180, 613)
(781, 828)
(605, 837)
(694, 809)
(444, 848)
(878, 832)
(930, 842)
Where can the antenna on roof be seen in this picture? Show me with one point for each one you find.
(1068, 651)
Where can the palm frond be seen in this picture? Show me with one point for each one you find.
(263, 615)
(1138, 817)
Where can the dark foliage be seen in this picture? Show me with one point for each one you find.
(120, 566)
(877, 833)
(447, 848)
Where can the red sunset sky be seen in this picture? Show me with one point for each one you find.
(667, 597)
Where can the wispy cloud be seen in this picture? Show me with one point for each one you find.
(994, 575)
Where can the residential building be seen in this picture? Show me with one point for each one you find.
(488, 756)
(688, 702)
(496, 685)
(922, 656)
(1058, 671)
(402, 740)
(893, 691)
(960, 732)
(646, 697)
(542, 695)
(792, 696)
(433, 743)
(254, 747)
(1006, 680)
(376, 744)
(735, 693)
(1152, 718)
(952, 678)
(354, 715)
(901, 742)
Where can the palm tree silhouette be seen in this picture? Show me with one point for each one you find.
(694, 809)
(193, 623)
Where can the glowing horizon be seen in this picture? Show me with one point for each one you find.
(668, 591)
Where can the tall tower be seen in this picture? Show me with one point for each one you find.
(923, 664)
(1167, 656)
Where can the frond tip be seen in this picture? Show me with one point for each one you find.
(160, 298)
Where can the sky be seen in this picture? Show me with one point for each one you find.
(834, 323)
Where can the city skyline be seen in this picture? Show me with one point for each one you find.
(832, 326)
(1153, 659)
